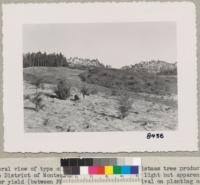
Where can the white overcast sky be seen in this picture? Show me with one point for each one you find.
(115, 44)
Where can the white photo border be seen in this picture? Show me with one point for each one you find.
(185, 138)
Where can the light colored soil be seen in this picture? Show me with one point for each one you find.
(98, 112)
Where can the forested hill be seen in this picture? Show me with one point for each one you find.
(43, 59)
(58, 60)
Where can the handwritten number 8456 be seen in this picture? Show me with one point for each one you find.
(155, 136)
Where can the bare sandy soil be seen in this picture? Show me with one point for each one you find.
(98, 112)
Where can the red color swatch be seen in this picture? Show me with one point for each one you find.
(100, 170)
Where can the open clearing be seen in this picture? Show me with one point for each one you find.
(96, 112)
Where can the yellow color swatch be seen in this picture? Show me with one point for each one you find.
(108, 170)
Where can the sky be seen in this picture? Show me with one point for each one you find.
(115, 44)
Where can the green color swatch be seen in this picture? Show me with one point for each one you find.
(117, 170)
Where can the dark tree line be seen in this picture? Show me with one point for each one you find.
(44, 59)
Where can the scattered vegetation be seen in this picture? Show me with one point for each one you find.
(125, 104)
(62, 90)
(130, 81)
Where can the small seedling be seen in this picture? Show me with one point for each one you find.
(125, 104)
(85, 91)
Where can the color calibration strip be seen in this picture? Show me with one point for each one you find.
(100, 166)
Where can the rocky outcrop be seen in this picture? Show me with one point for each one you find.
(153, 66)
(83, 62)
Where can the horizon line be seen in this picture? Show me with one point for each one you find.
(149, 60)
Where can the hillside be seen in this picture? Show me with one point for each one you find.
(97, 112)
(131, 81)
(153, 66)
(51, 76)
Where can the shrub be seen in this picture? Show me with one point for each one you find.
(37, 100)
(62, 90)
(125, 104)
(85, 91)
(83, 77)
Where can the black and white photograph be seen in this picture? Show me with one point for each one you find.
(100, 77)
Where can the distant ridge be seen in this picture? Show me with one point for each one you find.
(153, 66)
